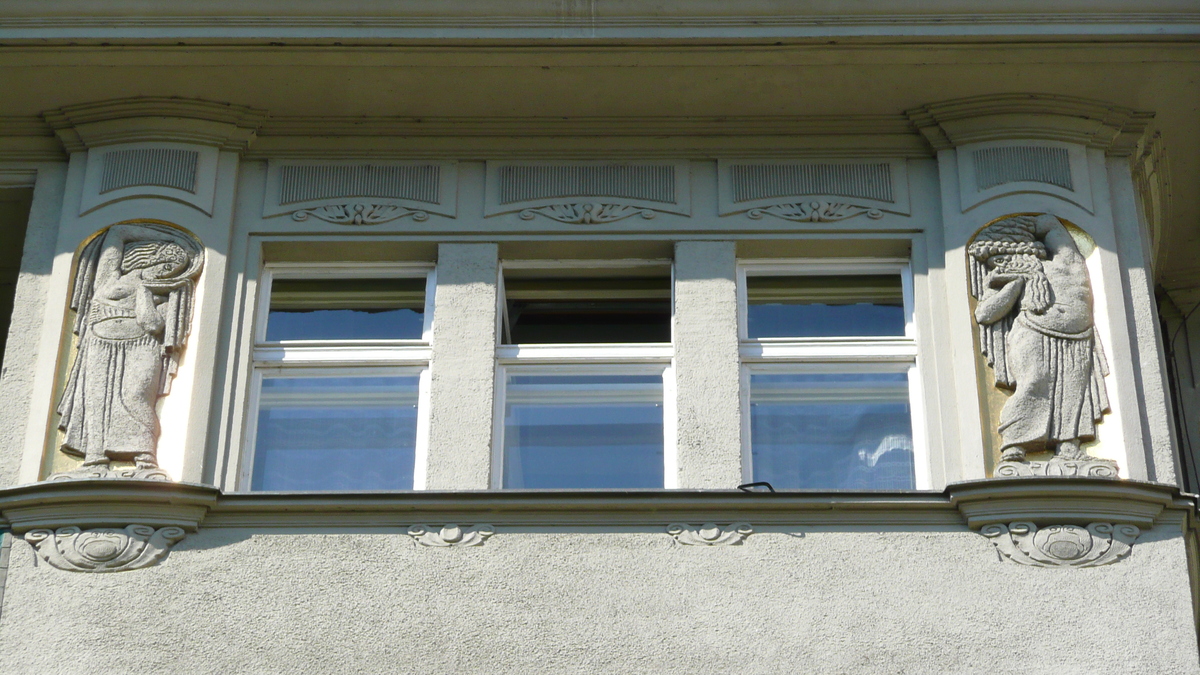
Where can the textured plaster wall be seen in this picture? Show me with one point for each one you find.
(707, 368)
(830, 601)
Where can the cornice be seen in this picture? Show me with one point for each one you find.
(224, 125)
(1094, 124)
(675, 20)
(117, 503)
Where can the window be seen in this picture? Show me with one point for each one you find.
(583, 376)
(340, 372)
(829, 375)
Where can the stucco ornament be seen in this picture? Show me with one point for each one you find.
(133, 295)
(586, 214)
(814, 212)
(1063, 545)
(107, 549)
(359, 214)
(710, 534)
(451, 535)
(1037, 332)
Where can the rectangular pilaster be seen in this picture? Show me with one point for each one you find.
(706, 365)
(462, 367)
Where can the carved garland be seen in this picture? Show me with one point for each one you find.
(359, 214)
(1063, 545)
(451, 535)
(106, 549)
(710, 534)
(586, 214)
(814, 212)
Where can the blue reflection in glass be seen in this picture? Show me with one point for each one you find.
(850, 431)
(336, 433)
(769, 320)
(345, 324)
(583, 432)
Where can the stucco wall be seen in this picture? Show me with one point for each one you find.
(829, 600)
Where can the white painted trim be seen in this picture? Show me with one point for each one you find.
(586, 353)
(664, 370)
(421, 449)
(246, 468)
(670, 410)
(342, 353)
(841, 350)
(583, 263)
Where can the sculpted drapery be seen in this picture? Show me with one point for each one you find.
(1038, 335)
(132, 296)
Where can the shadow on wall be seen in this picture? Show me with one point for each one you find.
(14, 217)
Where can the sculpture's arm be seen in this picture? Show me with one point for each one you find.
(1058, 241)
(148, 316)
(997, 304)
(108, 267)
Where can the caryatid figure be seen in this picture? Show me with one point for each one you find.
(1038, 334)
(133, 293)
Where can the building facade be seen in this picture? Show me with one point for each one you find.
(600, 337)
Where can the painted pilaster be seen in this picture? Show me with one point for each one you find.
(462, 367)
(26, 394)
(173, 163)
(1009, 155)
(706, 366)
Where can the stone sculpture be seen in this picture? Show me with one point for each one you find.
(133, 293)
(1038, 335)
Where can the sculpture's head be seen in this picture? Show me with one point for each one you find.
(158, 259)
(1010, 246)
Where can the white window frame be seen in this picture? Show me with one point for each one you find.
(795, 355)
(584, 359)
(331, 358)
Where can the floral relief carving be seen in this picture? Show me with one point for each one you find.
(586, 214)
(1063, 545)
(359, 214)
(451, 535)
(1057, 466)
(710, 534)
(106, 549)
(814, 212)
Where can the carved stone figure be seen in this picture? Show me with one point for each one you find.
(1037, 332)
(133, 293)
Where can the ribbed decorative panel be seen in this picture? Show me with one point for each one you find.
(301, 183)
(653, 183)
(163, 167)
(765, 181)
(997, 166)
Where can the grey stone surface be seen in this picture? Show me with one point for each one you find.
(1037, 331)
(132, 295)
(462, 368)
(838, 600)
(707, 366)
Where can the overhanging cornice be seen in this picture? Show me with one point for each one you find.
(115, 503)
(998, 117)
(224, 125)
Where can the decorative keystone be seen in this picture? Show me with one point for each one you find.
(1063, 545)
(106, 549)
(710, 534)
(451, 535)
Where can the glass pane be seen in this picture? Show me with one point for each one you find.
(824, 306)
(583, 431)
(346, 309)
(336, 433)
(847, 431)
(575, 309)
